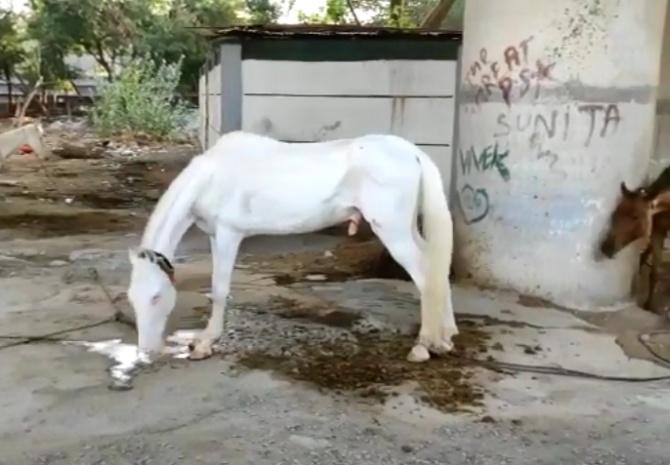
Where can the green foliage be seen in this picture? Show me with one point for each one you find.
(104, 29)
(263, 11)
(166, 34)
(141, 100)
(11, 49)
(395, 13)
(335, 12)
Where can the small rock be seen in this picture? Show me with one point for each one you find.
(120, 385)
(308, 442)
(88, 254)
(407, 449)
(57, 263)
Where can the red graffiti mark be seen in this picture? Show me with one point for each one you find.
(544, 72)
(523, 45)
(505, 85)
(510, 74)
(495, 69)
(525, 76)
(511, 55)
(488, 85)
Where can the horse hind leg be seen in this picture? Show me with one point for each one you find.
(397, 230)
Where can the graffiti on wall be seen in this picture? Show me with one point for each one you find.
(474, 203)
(509, 73)
(570, 121)
(516, 76)
(488, 159)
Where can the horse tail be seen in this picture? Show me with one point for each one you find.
(439, 237)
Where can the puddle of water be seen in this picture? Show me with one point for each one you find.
(128, 360)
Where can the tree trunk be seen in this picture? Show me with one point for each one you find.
(353, 12)
(29, 99)
(437, 15)
(99, 56)
(8, 77)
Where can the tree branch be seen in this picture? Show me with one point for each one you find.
(437, 15)
(31, 95)
(353, 12)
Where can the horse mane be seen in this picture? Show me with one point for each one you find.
(660, 184)
(172, 215)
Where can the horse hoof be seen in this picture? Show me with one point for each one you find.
(440, 346)
(199, 351)
(418, 354)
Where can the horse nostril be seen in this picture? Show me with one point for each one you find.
(191, 347)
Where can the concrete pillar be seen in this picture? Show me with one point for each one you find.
(661, 157)
(556, 109)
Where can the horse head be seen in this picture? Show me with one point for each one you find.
(152, 295)
(630, 221)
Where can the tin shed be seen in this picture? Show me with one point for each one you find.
(308, 83)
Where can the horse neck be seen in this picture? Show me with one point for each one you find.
(173, 215)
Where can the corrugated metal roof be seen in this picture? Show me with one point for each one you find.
(325, 31)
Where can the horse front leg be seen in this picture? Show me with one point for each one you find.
(656, 246)
(224, 247)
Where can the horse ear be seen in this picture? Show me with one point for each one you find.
(625, 191)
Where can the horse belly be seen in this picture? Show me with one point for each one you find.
(291, 210)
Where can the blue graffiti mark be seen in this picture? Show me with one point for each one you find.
(474, 203)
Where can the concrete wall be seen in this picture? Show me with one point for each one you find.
(307, 101)
(661, 157)
(315, 101)
(557, 107)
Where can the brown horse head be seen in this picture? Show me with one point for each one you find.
(631, 220)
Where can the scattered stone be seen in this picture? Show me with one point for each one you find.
(308, 442)
(407, 449)
(58, 263)
(89, 254)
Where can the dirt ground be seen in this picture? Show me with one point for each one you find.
(312, 365)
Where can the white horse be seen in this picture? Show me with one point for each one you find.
(247, 185)
(30, 134)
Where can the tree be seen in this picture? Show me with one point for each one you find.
(395, 13)
(438, 14)
(167, 34)
(11, 49)
(104, 29)
(263, 11)
(335, 12)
